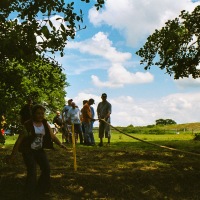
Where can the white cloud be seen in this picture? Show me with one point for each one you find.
(118, 75)
(137, 19)
(97, 82)
(75, 64)
(126, 110)
(100, 45)
(84, 96)
(188, 82)
(183, 108)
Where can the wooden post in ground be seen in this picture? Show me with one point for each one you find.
(74, 147)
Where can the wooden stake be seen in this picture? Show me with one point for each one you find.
(74, 147)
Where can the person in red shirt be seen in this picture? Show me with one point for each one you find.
(87, 122)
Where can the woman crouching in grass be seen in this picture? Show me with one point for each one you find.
(36, 136)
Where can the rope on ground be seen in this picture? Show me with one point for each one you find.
(151, 143)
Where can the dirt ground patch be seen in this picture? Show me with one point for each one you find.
(108, 173)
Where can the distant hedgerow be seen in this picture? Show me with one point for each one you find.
(197, 136)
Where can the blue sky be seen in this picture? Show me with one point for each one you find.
(102, 59)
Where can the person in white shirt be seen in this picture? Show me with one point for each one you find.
(36, 135)
(74, 115)
(66, 122)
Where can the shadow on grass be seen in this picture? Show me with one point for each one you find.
(123, 171)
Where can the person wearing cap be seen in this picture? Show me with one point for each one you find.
(104, 109)
(74, 118)
(93, 113)
(92, 121)
(87, 122)
(83, 129)
(66, 133)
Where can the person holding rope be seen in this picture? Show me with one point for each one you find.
(103, 113)
(36, 135)
(66, 134)
(82, 124)
(74, 115)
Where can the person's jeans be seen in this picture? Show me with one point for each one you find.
(78, 130)
(89, 133)
(31, 159)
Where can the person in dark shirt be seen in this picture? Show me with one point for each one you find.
(104, 111)
(34, 138)
(58, 122)
(26, 111)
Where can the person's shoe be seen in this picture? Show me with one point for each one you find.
(100, 144)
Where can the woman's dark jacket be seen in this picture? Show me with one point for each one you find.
(29, 138)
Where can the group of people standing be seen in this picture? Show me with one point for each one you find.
(83, 120)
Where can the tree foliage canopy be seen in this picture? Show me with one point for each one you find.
(165, 121)
(27, 26)
(31, 32)
(175, 47)
(43, 82)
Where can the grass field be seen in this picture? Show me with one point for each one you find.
(128, 169)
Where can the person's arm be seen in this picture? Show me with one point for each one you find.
(69, 116)
(17, 144)
(98, 111)
(68, 113)
(56, 125)
(108, 115)
(14, 152)
(88, 114)
(55, 139)
(63, 117)
(109, 111)
(81, 115)
(54, 122)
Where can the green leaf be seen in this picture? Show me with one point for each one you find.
(63, 27)
(50, 23)
(45, 31)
